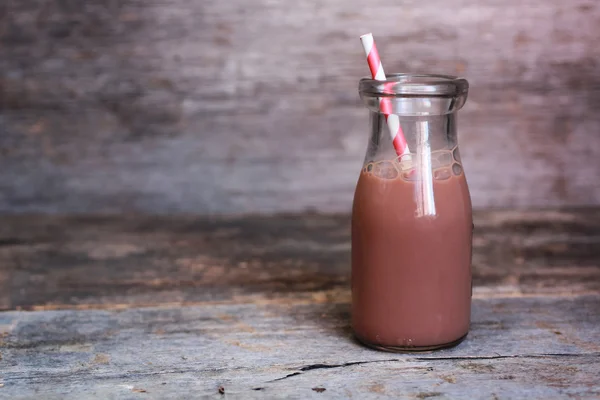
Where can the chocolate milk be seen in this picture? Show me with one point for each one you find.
(411, 276)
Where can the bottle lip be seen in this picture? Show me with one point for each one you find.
(419, 85)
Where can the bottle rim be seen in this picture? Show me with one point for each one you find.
(414, 85)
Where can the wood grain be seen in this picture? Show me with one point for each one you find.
(258, 307)
(517, 348)
(230, 107)
(118, 261)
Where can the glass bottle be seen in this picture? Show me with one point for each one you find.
(411, 218)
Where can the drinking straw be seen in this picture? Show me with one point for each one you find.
(424, 183)
(385, 104)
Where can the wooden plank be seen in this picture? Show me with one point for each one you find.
(259, 307)
(231, 107)
(517, 348)
(119, 261)
(5, 289)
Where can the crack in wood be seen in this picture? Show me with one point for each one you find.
(499, 357)
(13, 242)
(287, 376)
(456, 358)
(327, 366)
(330, 366)
(300, 370)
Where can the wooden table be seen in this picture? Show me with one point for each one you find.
(258, 307)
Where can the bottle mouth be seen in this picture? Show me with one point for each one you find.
(422, 85)
(414, 94)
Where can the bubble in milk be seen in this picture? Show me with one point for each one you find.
(441, 159)
(456, 154)
(405, 162)
(410, 176)
(442, 174)
(457, 169)
(385, 170)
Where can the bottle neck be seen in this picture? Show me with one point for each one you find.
(431, 133)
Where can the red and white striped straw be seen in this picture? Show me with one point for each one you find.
(385, 104)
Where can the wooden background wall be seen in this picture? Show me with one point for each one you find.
(251, 106)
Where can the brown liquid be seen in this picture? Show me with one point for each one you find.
(411, 277)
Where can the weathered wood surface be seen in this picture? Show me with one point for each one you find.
(260, 307)
(517, 349)
(86, 261)
(231, 107)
